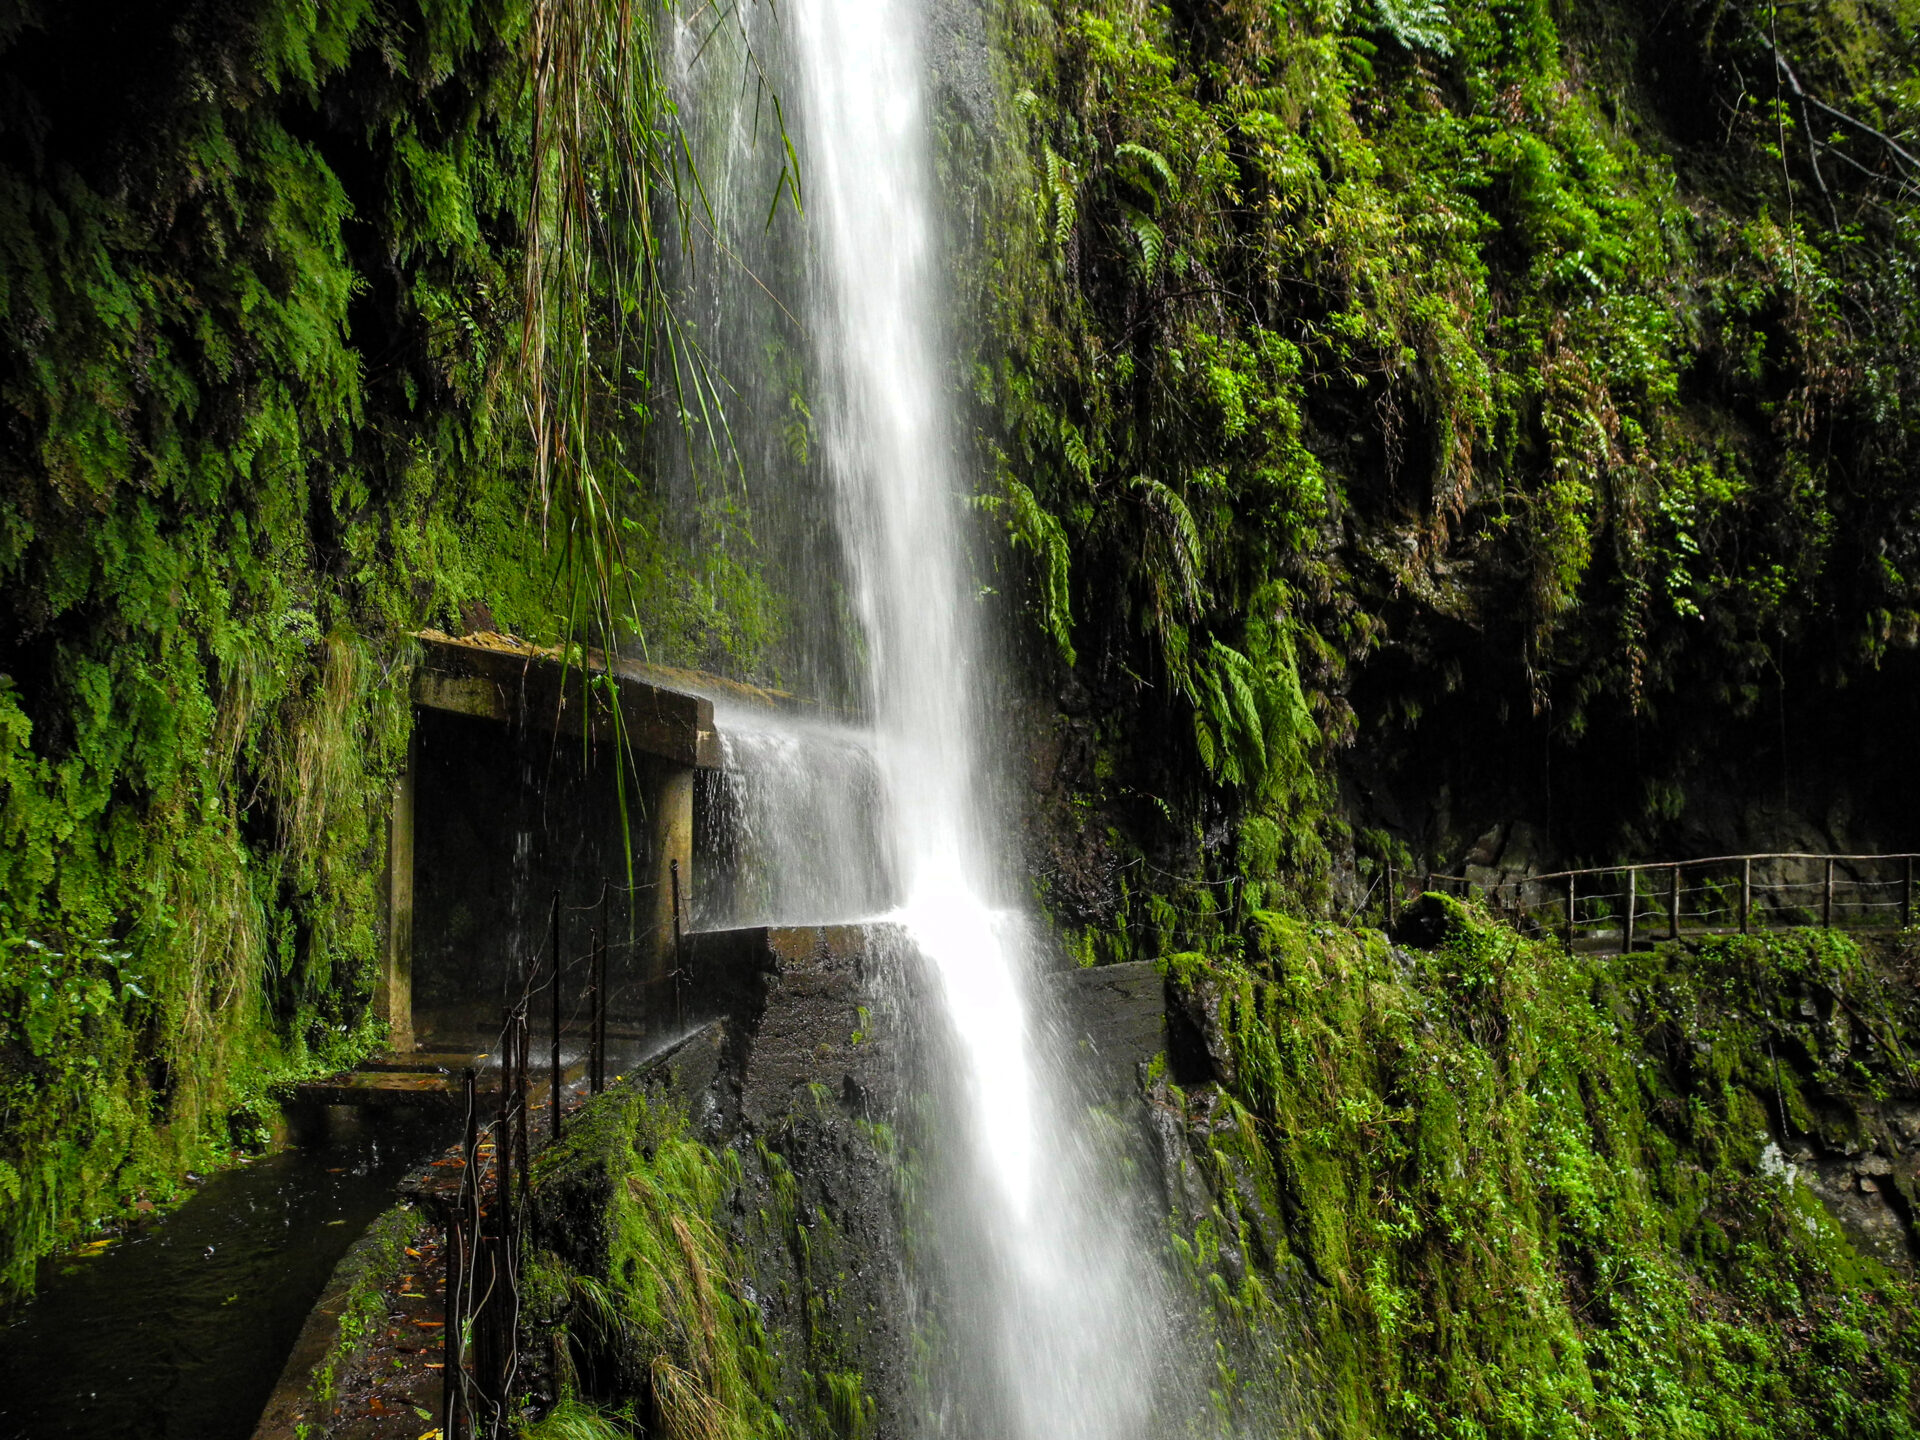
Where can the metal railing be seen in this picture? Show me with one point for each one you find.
(1719, 894)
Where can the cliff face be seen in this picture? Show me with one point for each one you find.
(1409, 420)
(256, 285)
(1482, 1187)
(1397, 425)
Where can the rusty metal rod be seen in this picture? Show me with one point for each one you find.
(454, 1316)
(593, 1012)
(600, 1015)
(520, 1107)
(553, 1099)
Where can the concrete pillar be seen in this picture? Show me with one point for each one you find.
(393, 994)
(667, 795)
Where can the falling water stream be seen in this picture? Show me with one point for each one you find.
(1051, 1314)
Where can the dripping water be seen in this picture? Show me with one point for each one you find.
(786, 824)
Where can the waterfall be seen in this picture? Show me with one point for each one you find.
(1039, 1307)
(1051, 1312)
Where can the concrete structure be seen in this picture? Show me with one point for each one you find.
(585, 715)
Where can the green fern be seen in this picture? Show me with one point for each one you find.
(1075, 445)
(1034, 529)
(1183, 543)
(1155, 164)
(1252, 727)
(1061, 183)
(1416, 24)
(1151, 241)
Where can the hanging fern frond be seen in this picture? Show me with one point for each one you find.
(1155, 165)
(1182, 542)
(1061, 185)
(1252, 728)
(1151, 242)
(1036, 530)
(1075, 446)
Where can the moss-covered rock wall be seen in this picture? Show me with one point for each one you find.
(1407, 417)
(1470, 1186)
(1511, 1191)
(262, 293)
(257, 291)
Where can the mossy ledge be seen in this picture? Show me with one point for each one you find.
(717, 1241)
(1501, 1190)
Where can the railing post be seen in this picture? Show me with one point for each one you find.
(593, 1012)
(503, 1124)
(600, 988)
(1826, 899)
(1746, 895)
(1572, 881)
(453, 1292)
(1626, 928)
(1906, 898)
(1673, 904)
(522, 1140)
(553, 1098)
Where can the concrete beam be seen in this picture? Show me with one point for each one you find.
(499, 678)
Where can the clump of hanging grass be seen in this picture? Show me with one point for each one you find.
(660, 1328)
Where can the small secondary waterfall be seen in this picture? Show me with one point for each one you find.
(789, 823)
(1051, 1311)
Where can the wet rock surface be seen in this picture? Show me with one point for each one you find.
(796, 1078)
(1115, 1017)
(1865, 1169)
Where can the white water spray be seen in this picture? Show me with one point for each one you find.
(1050, 1307)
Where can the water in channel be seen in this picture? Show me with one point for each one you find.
(180, 1331)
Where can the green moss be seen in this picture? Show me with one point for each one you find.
(657, 1326)
(259, 322)
(375, 1263)
(1316, 338)
(217, 512)
(1534, 1192)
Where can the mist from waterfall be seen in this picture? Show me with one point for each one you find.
(1036, 1264)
